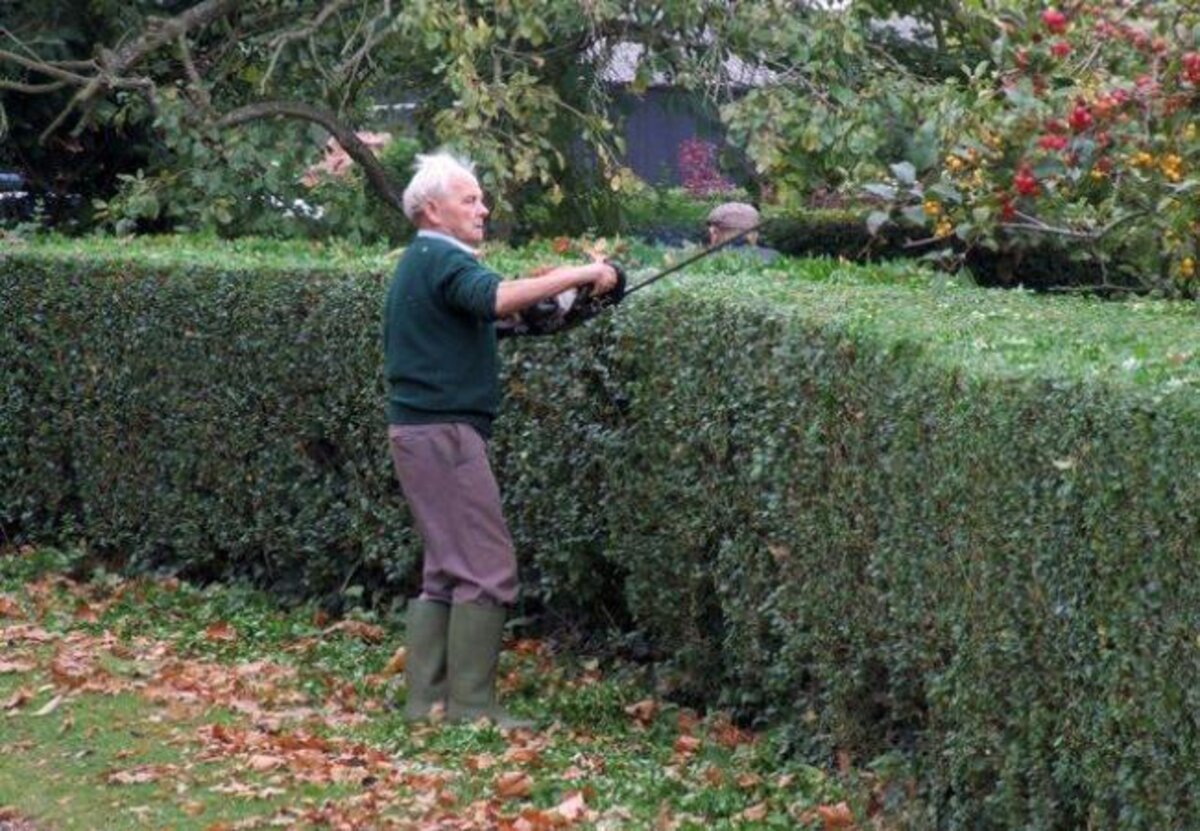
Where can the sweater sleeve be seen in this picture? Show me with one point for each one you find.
(470, 287)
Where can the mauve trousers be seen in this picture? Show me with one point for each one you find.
(446, 478)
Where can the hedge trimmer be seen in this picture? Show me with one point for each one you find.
(571, 308)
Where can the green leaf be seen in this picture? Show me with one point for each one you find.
(904, 172)
(876, 220)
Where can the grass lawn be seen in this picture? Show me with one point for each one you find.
(157, 704)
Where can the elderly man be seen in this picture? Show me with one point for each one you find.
(443, 391)
(732, 218)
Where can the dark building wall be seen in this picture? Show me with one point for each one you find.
(656, 122)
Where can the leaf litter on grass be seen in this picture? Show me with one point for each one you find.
(257, 718)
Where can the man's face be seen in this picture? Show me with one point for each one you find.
(459, 212)
(718, 233)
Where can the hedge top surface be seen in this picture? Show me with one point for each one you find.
(1153, 345)
(177, 251)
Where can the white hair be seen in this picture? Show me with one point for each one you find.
(434, 173)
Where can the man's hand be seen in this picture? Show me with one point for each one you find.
(605, 280)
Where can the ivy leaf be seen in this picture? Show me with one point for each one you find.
(904, 172)
(877, 220)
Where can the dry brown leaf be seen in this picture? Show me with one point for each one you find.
(263, 762)
(574, 807)
(644, 711)
(687, 745)
(25, 632)
(9, 607)
(368, 632)
(140, 775)
(513, 785)
(523, 755)
(86, 613)
(19, 699)
(836, 816)
(748, 780)
(687, 721)
(729, 735)
(16, 666)
(397, 662)
(831, 816)
(480, 761)
(844, 762)
(755, 813)
(220, 631)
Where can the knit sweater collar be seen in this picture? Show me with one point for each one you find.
(424, 232)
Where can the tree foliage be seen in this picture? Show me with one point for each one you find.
(519, 85)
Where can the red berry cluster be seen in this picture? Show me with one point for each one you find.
(698, 168)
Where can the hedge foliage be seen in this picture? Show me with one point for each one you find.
(898, 513)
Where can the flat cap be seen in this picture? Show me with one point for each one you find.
(735, 216)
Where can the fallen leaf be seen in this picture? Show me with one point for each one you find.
(16, 666)
(193, 809)
(522, 755)
(263, 762)
(844, 762)
(9, 607)
(747, 781)
(220, 631)
(86, 613)
(480, 761)
(731, 736)
(644, 711)
(140, 775)
(573, 808)
(755, 813)
(397, 662)
(687, 721)
(831, 816)
(50, 706)
(513, 784)
(19, 699)
(687, 745)
(368, 632)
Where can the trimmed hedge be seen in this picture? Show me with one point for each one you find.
(894, 512)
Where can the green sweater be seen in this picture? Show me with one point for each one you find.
(440, 339)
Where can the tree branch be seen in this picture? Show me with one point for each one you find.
(281, 41)
(160, 32)
(110, 70)
(44, 67)
(377, 176)
(32, 89)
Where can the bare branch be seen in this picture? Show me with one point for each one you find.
(197, 92)
(111, 67)
(377, 176)
(44, 67)
(32, 89)
(160, 31)
(283, 39)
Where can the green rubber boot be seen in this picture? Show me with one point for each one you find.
(472, 657)
(425, 637)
